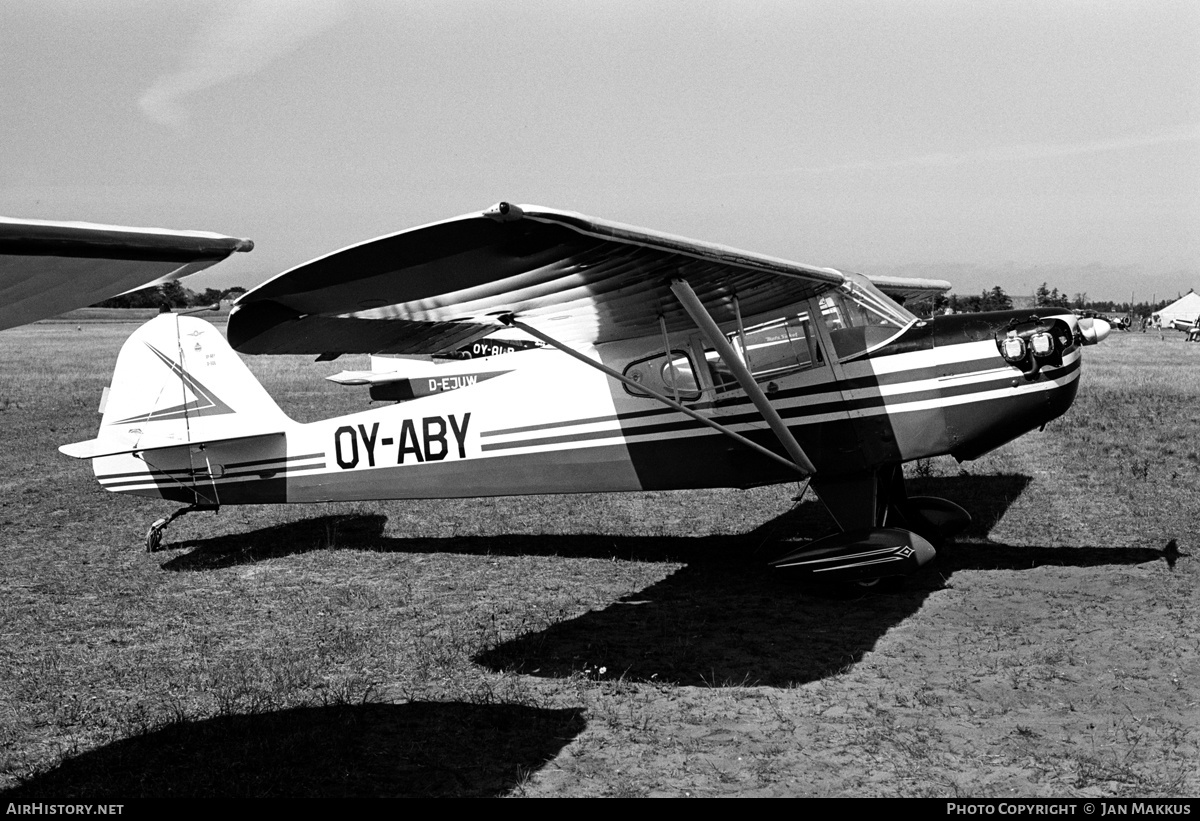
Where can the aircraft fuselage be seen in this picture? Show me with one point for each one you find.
(549, 424)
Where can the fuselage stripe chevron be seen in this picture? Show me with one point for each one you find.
(206, 403)
(278, 463)
(997, 386)
(833, 388)
(795, 416)
(157, 478)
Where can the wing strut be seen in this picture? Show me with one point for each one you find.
(510, 320)
(708, 326)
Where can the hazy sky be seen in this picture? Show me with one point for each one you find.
(866, 135)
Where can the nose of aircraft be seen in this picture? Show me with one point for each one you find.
(1093, 330)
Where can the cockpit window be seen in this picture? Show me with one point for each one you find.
(672, 375)
(771, 350)
(778, 347)
(859, 317)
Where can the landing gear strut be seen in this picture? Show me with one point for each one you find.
(155, 533)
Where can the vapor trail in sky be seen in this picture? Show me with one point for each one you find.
(242, 41)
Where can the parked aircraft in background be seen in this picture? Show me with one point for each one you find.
(1192, 329)
(1116, 322)
(661, 363)
(49, 268)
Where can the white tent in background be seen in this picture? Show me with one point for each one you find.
(1184, 309)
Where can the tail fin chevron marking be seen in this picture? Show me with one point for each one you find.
(207, 403)
(149, 408)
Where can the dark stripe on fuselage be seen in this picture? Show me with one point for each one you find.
(200, 475)
(837, 448)
(228, 467)
(838, 405)
(262, 492)
(252, 463)
(941, 332)
(829, 385)
(950, 369)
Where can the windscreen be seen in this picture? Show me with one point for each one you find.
(860, 317)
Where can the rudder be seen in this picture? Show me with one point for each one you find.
(177, 381)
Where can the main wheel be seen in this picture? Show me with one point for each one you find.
(885, 584)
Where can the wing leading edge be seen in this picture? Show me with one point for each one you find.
(47, 268)
(436, 287)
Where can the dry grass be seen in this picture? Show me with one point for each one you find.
(606, 645)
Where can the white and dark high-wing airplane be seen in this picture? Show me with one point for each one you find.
(1192, 329)
(48, 268)
(664, 363)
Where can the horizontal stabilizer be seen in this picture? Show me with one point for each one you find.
(96, 448)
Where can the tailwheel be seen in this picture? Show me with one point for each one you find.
(155, 533)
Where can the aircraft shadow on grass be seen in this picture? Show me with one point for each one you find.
(383, 750)
(723, 618)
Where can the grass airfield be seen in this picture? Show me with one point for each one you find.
(621, 645)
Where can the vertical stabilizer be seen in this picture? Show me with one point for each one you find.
(177, 381)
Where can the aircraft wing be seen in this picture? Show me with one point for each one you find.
(47, 268)
(440, 286)
(909, 289)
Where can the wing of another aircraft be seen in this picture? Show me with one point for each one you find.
(906, 289)
(437, 287)
(47, 268)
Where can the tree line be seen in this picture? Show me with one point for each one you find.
(991, 300)
(173, 295)
(996, 299)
